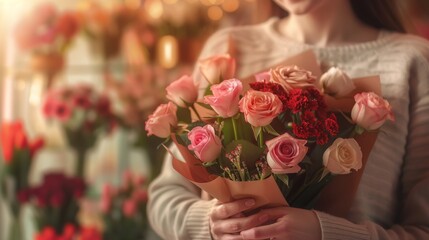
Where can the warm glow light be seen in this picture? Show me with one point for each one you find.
(154, 8)
(212, 2)
(133, 4)
(168, 52)
(215, 13)
(170, 1)
(230, 5)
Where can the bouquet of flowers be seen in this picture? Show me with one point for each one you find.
(280, 132)
(18, 153)
(56, 201)
(124, 209)
(83, 114)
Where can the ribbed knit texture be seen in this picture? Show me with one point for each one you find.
(392, 200)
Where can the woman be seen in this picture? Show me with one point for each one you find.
(361, 37)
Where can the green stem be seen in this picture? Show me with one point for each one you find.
(234, 127)
(196, 112)
(15, 229)
(261, 138)
(80, 167)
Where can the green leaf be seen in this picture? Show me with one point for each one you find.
(184, 115)
(227, 131)
(206, 106)
(269, 129)
(256, 132)
(284, 178)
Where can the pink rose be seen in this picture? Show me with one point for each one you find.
(204, 142)
(260, 108)
(182, 91)
(217, 68)
(160, 122)
(371, 111)
(225, 97)
(290, 77)
(285, 153)
(129, 208)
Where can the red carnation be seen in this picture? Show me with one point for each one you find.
(331, 125)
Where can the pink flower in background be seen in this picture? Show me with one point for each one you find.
(43, 26)
(160, 122)
(260, 108)
(182, 91)
(285, 153)
(129, 208)
(217, 68)
(62, 111)
(225, 97)
(140, 195)
(67, 24)
(204, 142)
(81, 101)
(291, 77)
(371, 111)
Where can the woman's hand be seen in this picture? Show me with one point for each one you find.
(286, 223)
(227, 219)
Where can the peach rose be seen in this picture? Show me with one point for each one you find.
(204, 142)
(260, 108)
(217, 68)
(371, 111)
(290, 77)
(285, 153)
(336, 83)
(182, 91)
(160, 122)
(226, 95)
(343, 156)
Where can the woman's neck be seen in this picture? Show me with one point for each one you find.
(329, 24)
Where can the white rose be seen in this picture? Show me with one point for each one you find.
(336, 83)
(342, 156)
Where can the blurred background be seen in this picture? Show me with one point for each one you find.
(78, 79)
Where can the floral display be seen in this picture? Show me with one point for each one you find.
(124, 208)
(70, 232)
(56, 201)
(18, 154)
(84, 115)
(280, 128)
(46, 34)
(46, 30)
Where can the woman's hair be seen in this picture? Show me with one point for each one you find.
(385, 14)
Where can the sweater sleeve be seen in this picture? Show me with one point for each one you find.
(413, 218)
(175, 209)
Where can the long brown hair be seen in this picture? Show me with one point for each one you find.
(383, 14)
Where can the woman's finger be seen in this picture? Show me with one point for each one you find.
(265, 232)
(236, 225)
(227, 210)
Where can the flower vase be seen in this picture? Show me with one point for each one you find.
(48, 64)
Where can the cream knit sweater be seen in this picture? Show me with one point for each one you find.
(392, 201)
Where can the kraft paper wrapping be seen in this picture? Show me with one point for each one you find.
(336, 198)
(265, 192)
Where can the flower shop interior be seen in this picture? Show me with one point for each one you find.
(78, 81)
